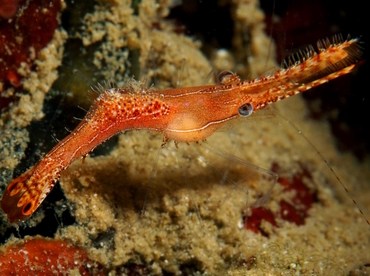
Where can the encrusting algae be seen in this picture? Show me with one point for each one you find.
(180, 208)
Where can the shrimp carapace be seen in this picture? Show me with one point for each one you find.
(183, 114)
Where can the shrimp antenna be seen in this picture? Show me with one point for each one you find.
(323, 158)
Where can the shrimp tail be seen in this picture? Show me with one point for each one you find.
(20, 199)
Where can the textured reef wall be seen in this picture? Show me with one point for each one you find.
(138, 207)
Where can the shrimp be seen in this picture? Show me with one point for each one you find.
(187, 114)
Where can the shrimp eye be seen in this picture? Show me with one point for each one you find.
(224, 75)
(245, 110)
(228, 77)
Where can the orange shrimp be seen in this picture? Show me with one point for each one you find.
(183, 114)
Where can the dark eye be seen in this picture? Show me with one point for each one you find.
(245, 110)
